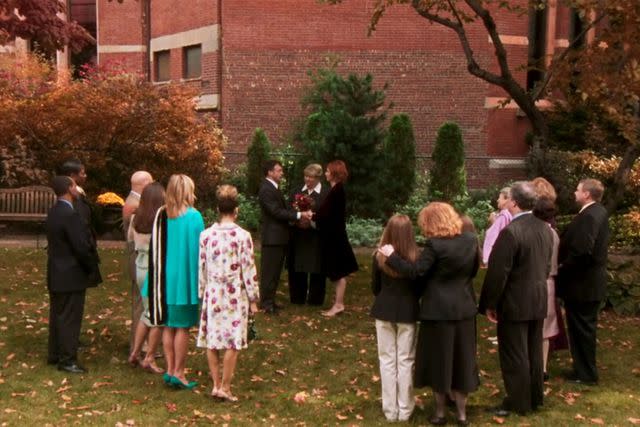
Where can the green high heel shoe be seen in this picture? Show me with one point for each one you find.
(176, 382)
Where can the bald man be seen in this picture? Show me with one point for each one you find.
(139, 180)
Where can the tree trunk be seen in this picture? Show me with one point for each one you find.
(621, 178)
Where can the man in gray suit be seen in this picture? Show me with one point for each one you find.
(514, 295)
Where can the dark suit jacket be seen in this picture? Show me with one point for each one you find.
(72, 260)
(444, 271)
(306, 254)
(396, 297)
(582, 256)
(275, 215)
(516, 281)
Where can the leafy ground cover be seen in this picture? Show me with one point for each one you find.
(303, 369)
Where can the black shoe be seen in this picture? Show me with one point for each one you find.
(278, 306)
(52, 361)
(499, 411)
(437, 421)
(271, 310)
(462, 423)
(73, 368)
(545, 376)
(575, 380)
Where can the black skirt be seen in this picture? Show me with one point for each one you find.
(446, 356)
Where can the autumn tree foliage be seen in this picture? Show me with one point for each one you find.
(41, 21)
(116, 122)
(617, 25)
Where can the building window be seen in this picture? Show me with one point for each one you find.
(192, 64)
(537, 45)
(161, 59)
(576, 26)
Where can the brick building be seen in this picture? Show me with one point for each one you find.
(250, 62)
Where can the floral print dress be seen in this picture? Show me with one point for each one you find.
(227, 283)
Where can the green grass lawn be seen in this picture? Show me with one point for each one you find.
(333, 361)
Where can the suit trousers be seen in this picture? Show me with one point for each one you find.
(271, 263)
(520, 350)
(301, 284)
(65, 319)
(396, 352)
(582, 323)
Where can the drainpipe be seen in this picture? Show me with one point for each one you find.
(147, 37)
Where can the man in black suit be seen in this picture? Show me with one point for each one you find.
(275, 233)
(582, 277)
(72, 266)
(305, 255)
(514, 295)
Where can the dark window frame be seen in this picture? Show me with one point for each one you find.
(158, 75)
(187, 72)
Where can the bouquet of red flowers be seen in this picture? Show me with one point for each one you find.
(302, 202)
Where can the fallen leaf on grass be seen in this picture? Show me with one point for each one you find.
(498, 420)
(9, 410)
(171, 407)
(633, 420)
(599, 421)
(579, 417)
(341, 417)
(98, 385)
(301, 397)
(375, 378)
(256, 379)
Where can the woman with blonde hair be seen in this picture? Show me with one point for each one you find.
(173, 275)
(396, 312)
(446, 348)
(228, 287)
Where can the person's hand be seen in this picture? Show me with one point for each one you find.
(253, 308)
(492, 315)
(304, 223)
(386, 250)
(492, 217)
(308, 215)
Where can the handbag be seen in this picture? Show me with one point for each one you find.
(252, 333)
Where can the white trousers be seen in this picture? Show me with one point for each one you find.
(396, 351)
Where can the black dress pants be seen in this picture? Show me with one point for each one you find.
(65, 319)
(582, 323)
(520, 350)
(309, 287)
(271, 263)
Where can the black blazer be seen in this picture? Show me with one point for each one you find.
(72, 261)
(582, 256)
(305, 252)
(396, 298)
(444, 271)
(516, 281)
(275, 215)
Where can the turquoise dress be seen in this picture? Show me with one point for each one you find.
(181, 269)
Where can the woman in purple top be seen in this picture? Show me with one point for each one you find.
(499, 221)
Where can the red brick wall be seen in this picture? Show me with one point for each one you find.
(170, 17)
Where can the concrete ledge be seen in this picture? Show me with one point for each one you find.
(515, 163)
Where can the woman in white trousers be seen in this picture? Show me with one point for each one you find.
(396, 312)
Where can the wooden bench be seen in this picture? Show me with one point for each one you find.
(26, 203)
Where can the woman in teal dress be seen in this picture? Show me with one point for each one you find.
(173, 275)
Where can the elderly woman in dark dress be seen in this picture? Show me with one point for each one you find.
(338, 259)
(446, 348)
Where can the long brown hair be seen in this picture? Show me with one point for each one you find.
(151, 199)
(399, 234)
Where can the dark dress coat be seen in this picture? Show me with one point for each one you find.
(582, 256)
(337, 255)
(444, 272)
(305, 251)
(516, 281)
(396, 299)
(72, 263)
(275, 215)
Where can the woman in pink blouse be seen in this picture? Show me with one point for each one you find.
(499, 221)
(228, 288)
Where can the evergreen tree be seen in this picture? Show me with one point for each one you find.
(448, 176)
(257, 153)
(399, 162)
(345, 122)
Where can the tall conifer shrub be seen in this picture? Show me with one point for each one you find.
(448, 176)
(257, 153)
(399, 161)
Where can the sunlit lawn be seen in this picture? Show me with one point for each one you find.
(333, 361)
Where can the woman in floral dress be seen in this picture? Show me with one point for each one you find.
(229, 291)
